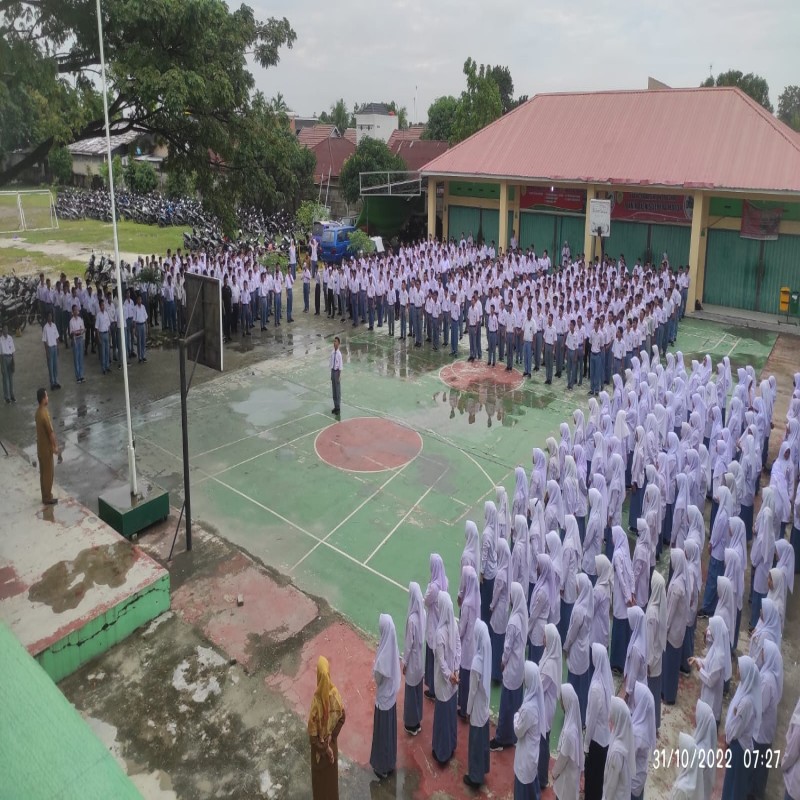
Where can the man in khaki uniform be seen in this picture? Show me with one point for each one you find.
(46, 447)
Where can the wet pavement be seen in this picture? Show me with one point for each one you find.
(277, 519)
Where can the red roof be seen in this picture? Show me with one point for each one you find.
(412, 134)
(417, 153)
(689, 138)
(331, 154)
(350, 135)
(312, 135)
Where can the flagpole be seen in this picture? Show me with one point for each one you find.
(121, 326)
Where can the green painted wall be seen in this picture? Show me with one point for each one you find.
(673, 240)
(46, 749)
(628, 239)
(103, 632)
(490, 191)
(466, 220)
(728, 207)
(548, 232)
(732, 270)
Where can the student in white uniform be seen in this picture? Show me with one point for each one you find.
(336, 376)
(480, 687)
(528, 732)
(569, 762)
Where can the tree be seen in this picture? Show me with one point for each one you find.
(116, 163)
(180, 184)
(360, 243)
(371, 155)
(60, 161)
(195, 99)
(505, 85)
(309, 212)
(789, 107)
(278, 104)
(751, 84)
(400, 112)
(441, 113)
(339, 116)
(140, 177)
(479, 104)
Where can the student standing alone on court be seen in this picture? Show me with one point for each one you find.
(336, 375)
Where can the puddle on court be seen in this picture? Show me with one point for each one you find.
(490, 406)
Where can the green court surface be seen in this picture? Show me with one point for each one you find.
(358, 538)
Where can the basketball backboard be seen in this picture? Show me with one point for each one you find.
(204, 311)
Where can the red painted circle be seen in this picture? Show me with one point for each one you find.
(367, 444)
(469, 376)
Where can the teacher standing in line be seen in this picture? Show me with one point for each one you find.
(336, 375)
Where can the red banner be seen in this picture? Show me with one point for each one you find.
(760, 223)
(556, 199)
(644, 207)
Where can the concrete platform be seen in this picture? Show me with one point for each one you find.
(130, 515)
(70, 587)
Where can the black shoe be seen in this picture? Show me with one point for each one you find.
(495, 746)
(430, 695)
(51, 502)
(414, 731)
(472, 784)
(381, 775)
(548, 383)
(335, 411)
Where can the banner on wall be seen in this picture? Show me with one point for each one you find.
(556, 199)
(675, 209)
(760, 223)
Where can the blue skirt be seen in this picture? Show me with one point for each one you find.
(755, 606)
(487, 589)
(563, 623)
(428, 668)
(527, 791)
(478, 753)
(735, 642)
(620, 637)
(635, 508)
(669, 674)
(687, 651)
(463, 691)
(510, 701)
(580, 683)
(737, 778)
(412, 707)
(445, 729)
(795, 540)
(609, 544)
(535, 652)
(666, 529)
(498, 642)
(746, 516)
(581, 528)
(544, 760)
(383, 758)
(654, 685)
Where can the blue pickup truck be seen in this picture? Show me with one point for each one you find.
(334, 241)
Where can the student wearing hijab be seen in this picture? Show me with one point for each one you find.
(528, 732)
(577, 644)
(550, 672)
(726, 611)
(688, 784)
(470, 614)
(622, 599)
(795, 535)
(488, 565)
(705, 735)
(414, 660)
(503, 514)
(643, 722)
(693, 582)
(569, 762)
(719, 539)
(512, 668)
(734, 572)
(545, 594)
(437, 584)
(480, 687)
(656, 623)
(593, 538)
(554, 509)
(619, 768)
(325, 722)
(446, 666)
(498, 608)
(641, 563)
(790, 765)
(520, 553)
(519, 505)
(538, 481)
(770, 664)
(386, 672)
(744, 717)
(784, 552)
(769, 627)
(616, 497)
(597, 735)
(471, 554)
(638, 479)
(762, 556)
(602, 593)
(571, 557)
(677, 612)
(715, 667)
(776, 582)
(635, 670)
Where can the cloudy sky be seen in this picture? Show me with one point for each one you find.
(407, 49)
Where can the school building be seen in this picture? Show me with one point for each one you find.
(707, 176)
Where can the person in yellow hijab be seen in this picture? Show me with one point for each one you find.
(325, 721)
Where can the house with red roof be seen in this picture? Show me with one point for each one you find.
(331, 150)
(705, 176)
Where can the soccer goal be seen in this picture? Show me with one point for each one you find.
(27, 210)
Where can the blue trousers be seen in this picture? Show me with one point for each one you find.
(77, 357)
(492, 338)
(548, 362)
(473, 346)
(289, 294)
(454, 336)
(277, 308)
(141, 342)
(509, 349)
(52, 365)
(105, 356)
(528, 351)
(596, 372)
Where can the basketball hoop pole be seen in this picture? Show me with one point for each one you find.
(121, 327)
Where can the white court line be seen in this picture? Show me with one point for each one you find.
(271, 450)
(352, 514)
(311, 535)
(734, 347)
(405, 517)
(260, 433)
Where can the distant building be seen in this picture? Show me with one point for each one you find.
(90, 154)
(413, 149)
(375, 120)
(331, 150)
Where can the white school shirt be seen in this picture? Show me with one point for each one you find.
(528, 330)
(49, 336)
(139, 314)
(289, 280)
(336, 360)
(76, 326)
(103, 322)
(7, 347)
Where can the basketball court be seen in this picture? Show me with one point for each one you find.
(351, 509)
